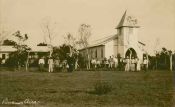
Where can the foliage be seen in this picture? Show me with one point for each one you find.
(161, 60)
(19, 57)
(61, 52)
(84, 35)
(9, 42)
(101, 88)
(49, 31)
(42, 44)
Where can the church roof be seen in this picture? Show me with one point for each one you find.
(127, 21)
(102, 41)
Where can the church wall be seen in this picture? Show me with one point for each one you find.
(121, 51)
(109, 49)
(97, 52)
(131, 41)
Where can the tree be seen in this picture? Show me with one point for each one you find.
(71, 42)
(61, 52)
(84, 35)
(9, 42)
(48, 29)
(164, 59)
(3, 35)
(21, 55)
(157, 42)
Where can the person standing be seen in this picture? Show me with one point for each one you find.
(70, 62)
(145, 63)
(120, 63)
(93, 62)
(138, 64)
(56, 64)
(98, 63)
(41, 63)
(50, 62)
(133, 64)
(110, 62)
(106, 62)
(115, 62)
(127, 66)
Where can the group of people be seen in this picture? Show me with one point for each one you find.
(135, 64)
(126, 64)
(55, 64)
(113, 62)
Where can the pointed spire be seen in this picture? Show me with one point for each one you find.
(127, 21)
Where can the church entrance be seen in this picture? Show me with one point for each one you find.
(131, 53)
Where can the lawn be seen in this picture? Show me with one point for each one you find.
(138, 89)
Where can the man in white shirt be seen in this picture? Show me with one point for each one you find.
(94, 62)
(50, 62)
(41, 63)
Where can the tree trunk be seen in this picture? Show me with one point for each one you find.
(27, 62)
(171, 63)
(147, 60)
(88, 59)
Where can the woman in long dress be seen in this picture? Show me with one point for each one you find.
(127, 61)
(132, 64)
(138, 64)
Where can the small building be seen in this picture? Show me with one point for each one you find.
(34, 53)
(5, 50)
(124, 43)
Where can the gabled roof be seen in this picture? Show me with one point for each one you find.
(127, 21)
(7, 49)
(102, 41)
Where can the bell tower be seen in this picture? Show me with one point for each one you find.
(127, 30)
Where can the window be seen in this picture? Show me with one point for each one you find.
(101, 52)
(91, 53)
(3, 56)
(96, 53)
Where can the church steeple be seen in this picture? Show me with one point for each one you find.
(127, 21)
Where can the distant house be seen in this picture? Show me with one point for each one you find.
(5, 51)
(125, 42)
(35, 51)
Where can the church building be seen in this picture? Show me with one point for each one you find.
(124, 43)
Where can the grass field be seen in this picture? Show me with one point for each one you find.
(129, 89)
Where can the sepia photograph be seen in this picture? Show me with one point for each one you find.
(87, 53)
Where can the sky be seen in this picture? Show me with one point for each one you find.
(156, 18)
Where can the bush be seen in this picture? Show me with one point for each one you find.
(101, 88)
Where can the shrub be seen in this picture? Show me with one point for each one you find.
(101, 88)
